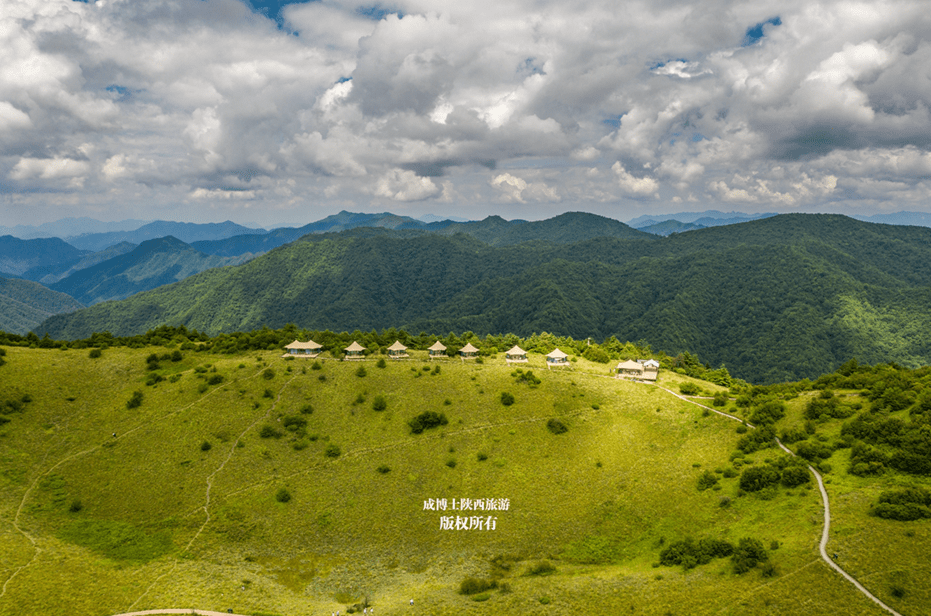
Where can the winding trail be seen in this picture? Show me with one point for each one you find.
(824, 499)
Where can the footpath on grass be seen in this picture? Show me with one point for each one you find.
(824, 499)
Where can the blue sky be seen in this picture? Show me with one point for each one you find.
(286, 112)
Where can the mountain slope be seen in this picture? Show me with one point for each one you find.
(152, 264)
(785, 297)
(24, 304)
(19, 256)
(185, 231)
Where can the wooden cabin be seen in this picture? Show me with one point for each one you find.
(515, 355)
(556, 359)
(308, 350)
(355, 351)
(397, 351)
(437, 351)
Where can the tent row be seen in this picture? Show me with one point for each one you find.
(645, 370)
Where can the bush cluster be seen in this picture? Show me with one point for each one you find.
(690, 554)
(427, 420)
(472, 585)
(904, 504)
(556, 426)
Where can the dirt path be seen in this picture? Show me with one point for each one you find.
(827, 510)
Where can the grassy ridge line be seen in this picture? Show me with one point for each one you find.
(38, 550)
(210, 477)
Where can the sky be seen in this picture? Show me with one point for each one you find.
(276, 112)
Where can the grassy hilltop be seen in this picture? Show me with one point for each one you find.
(269, 486)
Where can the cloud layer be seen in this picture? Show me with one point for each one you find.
(173, 108)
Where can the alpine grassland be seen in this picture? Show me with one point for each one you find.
(316, 493)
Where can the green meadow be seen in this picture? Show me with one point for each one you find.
(293, 487)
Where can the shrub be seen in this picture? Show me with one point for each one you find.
(473, 585)
(707, 480)
(135, 401)
(720, 399)
(282, 495)
(769, 412)
(307, 409)
(381, 363)
(268, 374)
(793, 476)
(268, 393)
(379, 403)
(269, 431)
(215, 379)
(507, 399)
(556, 427)
(384, 468)
(332, 451)
(451, 463)
(205, 446)
(427, 420)
(748, 554)
(481, 456)
(756, 478)
(94, 353)
(177, 356)
(316, 365)
(543, 567)
(360, 371)
(294, 423)
(688, 389)
(75, 506)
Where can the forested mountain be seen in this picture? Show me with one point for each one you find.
(24, 304)
(184, 231)
(50, 274)
(563, 229)
(668, 227)
(19, 256)
(263, 242)
(786, 297)
(151, 264)
(567, 228)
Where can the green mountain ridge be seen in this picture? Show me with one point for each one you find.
(779, 298)
(152, 264)
(24, 304)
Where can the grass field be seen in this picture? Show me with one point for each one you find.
(189, 505)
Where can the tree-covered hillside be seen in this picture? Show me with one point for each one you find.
(775, 299)
(24, 304)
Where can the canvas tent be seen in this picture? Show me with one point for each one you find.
(468, 352)
(437, 351)
(557, 358)
(397, 350)
(515, 355)
(354, 351)
(309, 349)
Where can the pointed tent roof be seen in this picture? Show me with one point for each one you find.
(397, 346)
(311, 345)
(652, 363)
(630, 365)
(468, 348)
(437, 346)
(557, 354)
(355, 347)
(516, 350)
